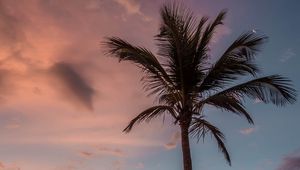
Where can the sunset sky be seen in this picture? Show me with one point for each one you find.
(64, 104)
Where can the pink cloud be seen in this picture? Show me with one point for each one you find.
(133, 7)
(117, 165)
(86, 154)
(140, 165)
(12, 126)
(248, 131)
(113, 152)
(221, 32)
(11, 166)
(173, 141)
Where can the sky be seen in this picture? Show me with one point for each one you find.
(64, 104)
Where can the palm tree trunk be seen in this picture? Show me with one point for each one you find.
(185, 144)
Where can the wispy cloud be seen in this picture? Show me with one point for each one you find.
(133, 7)
(140, 165)
(117, 165)
(109, 151)
(290, 162)
(220, 33)
(86, 154)
(13, 126)
(11, 166)
(173, 141)
(287, 55)
(257, 100)
(248, 131)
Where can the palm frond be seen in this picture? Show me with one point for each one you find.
(170, 99)
(156, 79)
(200, 127)
(275, 89)
(196, 40)
(230, 103)
(149, 114)
(178, 42)
(207, 36)
(236, 61)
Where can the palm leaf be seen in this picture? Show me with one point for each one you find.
(236, 61)
(157, 79)
(176, 31)
(200, 127)
(149, 114)
(207, 36)
(229, 103)
(275, 89)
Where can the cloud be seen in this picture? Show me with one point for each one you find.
(11, 166)
(287, 55)
(15, 40)
(133, 7)
(248, 131)
(13, 126)
(103, 151)
(113, 152)
(86, 154)
(220, 33)
(117, 165)
(173, 141)
(6, 85)
(140, 165)
(290, 162)
(11, 28)
(257, 100)
(73, 84)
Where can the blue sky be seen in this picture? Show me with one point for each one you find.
(64, 104)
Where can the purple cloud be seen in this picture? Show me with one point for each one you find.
(290, 162)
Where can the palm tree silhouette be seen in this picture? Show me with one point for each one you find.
(184, 80)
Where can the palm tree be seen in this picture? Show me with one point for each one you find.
(184, 80)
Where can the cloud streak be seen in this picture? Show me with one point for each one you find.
(74, 86)
(133, 7)
(113, 152)
(248, 131)
(173, 141)
(9, 166)
(287, 55)
(290, 162)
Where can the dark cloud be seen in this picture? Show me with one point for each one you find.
(86, 154)
(74, 86)
(290, 162)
